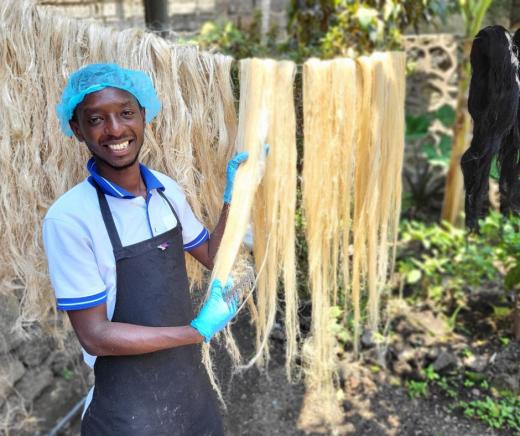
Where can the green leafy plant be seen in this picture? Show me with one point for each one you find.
(443, 261)
(336, 325)
(417, 389)
(496, 413)
(447, 387)
(430, 374)
(67, 374)
(350, 27)
(427, 159)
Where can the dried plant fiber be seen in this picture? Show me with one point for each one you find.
(255, 96)
(322, 195)
(377, 192)
(191, 140)
(265, 192)
(351, 196)
(493, 103)
(273, 219)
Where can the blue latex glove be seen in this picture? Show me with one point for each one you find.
(231, 170)
(217, 311)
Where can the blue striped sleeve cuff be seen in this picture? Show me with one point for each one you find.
(82, 302)
(203, 237)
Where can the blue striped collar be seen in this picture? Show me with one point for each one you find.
(110, 188)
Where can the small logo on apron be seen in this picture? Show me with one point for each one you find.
(163, 246)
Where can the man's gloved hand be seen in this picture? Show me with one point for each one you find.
(217, 311)
(231, 171)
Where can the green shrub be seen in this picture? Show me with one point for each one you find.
(441, 261)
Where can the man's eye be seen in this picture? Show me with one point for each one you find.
(94, 120)
(128, 113)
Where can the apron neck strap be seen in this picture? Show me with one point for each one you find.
(171, 208)
(109, 220)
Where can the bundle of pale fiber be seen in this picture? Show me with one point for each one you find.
(265, 194)
(353, 153)
(191, 139)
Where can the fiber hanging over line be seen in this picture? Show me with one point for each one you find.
(493, 104)
(191, 139)
(273, 220)
(322, 200)
(377, 198)
(354, 153)
(266, 115)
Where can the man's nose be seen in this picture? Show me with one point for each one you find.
(113, 126)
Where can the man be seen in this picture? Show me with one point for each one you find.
(115, 246)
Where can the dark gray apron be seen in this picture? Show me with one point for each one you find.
(162, 393)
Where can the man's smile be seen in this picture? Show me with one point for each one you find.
(119, 147)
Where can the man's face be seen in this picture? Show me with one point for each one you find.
(111, 123)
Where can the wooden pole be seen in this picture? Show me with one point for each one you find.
(156, 15)
(516, 318)
(454, 188)
(266, 15)
(515, 15)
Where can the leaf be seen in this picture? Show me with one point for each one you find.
(446, 115)
(480, 10)
(413, 276)
(512, 278)
(335, 312)
(417, 125)
(366, 16)
(493, 173)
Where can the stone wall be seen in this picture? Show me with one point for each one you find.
(40, 375)
(432, 81)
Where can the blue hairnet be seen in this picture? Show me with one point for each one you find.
(95, 77)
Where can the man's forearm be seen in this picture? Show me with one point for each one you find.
(206, 252)
(218, 232)
(101, 337)
(128, 339)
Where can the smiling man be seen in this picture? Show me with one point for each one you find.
(115, 245)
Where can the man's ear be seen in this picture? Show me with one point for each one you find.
(76, 130)
(143, 114)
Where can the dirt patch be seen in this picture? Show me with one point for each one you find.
(375, 401)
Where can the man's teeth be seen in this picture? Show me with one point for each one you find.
(118, 147)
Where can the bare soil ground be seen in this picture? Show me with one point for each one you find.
(375, 401)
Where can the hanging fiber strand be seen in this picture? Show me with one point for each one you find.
(266, 115)
(347, 88)
(273, 220)
(508, 161)
(354, 153)
(379, 157)
(256, 78)
(321, 171)
(493, 104)
(390, 169)
(256, 113)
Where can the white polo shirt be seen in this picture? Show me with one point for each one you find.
(79, 253)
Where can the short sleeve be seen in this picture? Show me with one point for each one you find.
(193, 232)
(72, 265)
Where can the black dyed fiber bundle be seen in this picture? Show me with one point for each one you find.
(493, 104)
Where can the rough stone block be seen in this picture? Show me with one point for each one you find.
(9, 313)
(35, 350)
(34, 383)
(4, 345)
(11, 370)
